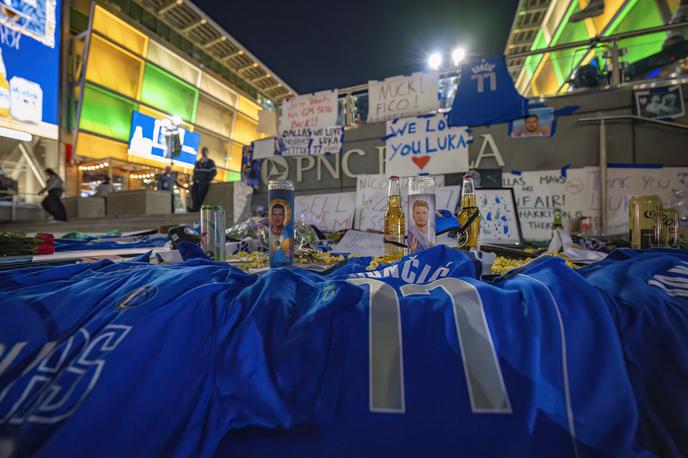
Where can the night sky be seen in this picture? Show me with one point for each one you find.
(315, 45)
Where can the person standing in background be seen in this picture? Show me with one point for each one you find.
(203, 174)
(52, 203)
(166, 182)
(104, 188)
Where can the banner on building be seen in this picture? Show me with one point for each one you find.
(401, 96)
(148, 140)
(425, 144)
(309, 111)
(311, 141)
(29, 66)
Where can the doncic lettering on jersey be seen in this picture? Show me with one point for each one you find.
(204, 360)
(647, 293)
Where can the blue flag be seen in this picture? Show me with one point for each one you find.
(486, 94)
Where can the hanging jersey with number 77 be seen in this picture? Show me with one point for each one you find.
(486, 94)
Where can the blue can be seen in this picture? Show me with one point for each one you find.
(281, 220)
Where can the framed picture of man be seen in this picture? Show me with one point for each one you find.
(660, 102)
(538, 123)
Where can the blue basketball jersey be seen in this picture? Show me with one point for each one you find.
(486, 94)
(647, 293)
(416, 358)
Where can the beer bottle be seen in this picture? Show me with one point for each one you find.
(395, 221)
(469, 206)
(556, 224)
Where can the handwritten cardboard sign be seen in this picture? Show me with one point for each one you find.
(538, 193)
(311, 141)
(361, 243)
(425, 144)
(310, 110)
(623, 183)
(328, 212)
(498, 218)
(401, 96)
(371, 199)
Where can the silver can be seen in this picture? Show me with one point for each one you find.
(213, 232)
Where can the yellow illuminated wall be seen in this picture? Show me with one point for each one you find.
(119, 31)
(126, 71)
(113, 67)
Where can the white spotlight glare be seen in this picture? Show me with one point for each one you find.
(435, 61)
(457, 55)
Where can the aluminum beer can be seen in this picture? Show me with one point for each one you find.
(643, 216)
(281, 220)
(669, 228)
(213, 232)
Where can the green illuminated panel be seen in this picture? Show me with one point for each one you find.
(168, 93)
(233, 176)
(638, 15)
(105, 113)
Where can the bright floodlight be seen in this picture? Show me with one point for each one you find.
(435, 60)
(458, 55)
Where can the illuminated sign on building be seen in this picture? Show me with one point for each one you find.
(148, 140)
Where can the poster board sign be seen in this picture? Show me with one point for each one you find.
(30, 63)
(538, 193)
(371, 200)
(328, 212)
(499, 221)
(264, 148)
(309, 110)
(311, 141)
(401, 96)
(425, 144)
(361, 243)
(625, 182)
(241, 199)
(267, 122)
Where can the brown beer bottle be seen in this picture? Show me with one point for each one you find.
(469, 205)
(395, 220)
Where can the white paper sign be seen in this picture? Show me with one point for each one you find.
(425, 144)
(328, 212)
(371, 199)
(267, 122)
(242, 200)
(310, 110)
(624, 183)
(361, 243)
(538, 193)
(401, 96)
(498, 219)
(311, 141)
(264, 148)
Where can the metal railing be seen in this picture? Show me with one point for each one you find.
(354, 99)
